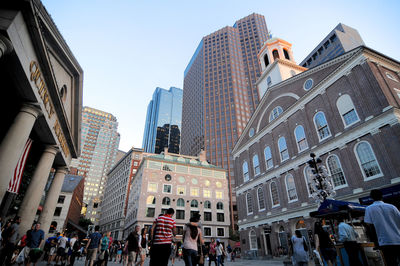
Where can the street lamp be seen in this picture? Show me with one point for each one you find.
(320, 180)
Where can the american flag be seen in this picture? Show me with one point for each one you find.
(15, 182)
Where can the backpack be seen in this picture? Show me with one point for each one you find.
(77, 246)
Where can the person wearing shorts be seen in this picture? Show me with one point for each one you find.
(133, 245)
(92, 246)
(35, 240)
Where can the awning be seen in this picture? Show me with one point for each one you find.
(387, 192)
(334, 208)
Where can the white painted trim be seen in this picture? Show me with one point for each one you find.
(297, 141)
(330, 173)
(254, 167)
(359, 162)
(270, 194)
(287, 189)
(167, 192)
(252, 248)
(265, 158)
(327, 125)
(247, 204)
(258, 199)
(280, 151)
(395, 180)
(392, 116)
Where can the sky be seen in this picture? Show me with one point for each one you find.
(127, 48)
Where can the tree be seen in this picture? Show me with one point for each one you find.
(233, 235)
(84, 223)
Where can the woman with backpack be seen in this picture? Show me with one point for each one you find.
(300, 248)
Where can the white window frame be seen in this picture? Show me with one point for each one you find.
(151, 204)
(330, 173)
(162, 204)
(265, 158)
(359, 162)
(327, 125)
(258, 199)
(170, 189)
(148, 187)
(223, 229)
(306, 180)
(390, 76)
(190, 205)
(177, 190)
(247, 204)
(254, 166)
(250, 238)
(216, 194)
(217, 205)
(287, 150)
(272, 199)
(179, 207)
(245, 177)
(287, 189)
(210, 230)
(198, 192)
(343, 110)
(209, 192)
(272, 116)
(297, 141)
(205, 205)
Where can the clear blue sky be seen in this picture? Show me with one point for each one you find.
(127, 48)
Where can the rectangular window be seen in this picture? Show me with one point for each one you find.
(207, 193)
(152, 187)
(57, 211)
(180, 214)
(207, 231)
(350, 117)
(167, 188)
(194, 192)
(220, 217)
(179, 230)
(181, 190)
(207, 216)
(193, 213)
(219, 194)
(220, 232)
(61, 199)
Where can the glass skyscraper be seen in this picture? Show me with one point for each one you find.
(163, 121)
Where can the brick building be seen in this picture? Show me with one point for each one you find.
(346, 111)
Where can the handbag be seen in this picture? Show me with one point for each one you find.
(305, 246)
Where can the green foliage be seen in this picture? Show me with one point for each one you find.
(84, 223)
(233, 235)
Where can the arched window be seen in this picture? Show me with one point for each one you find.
(336, 171)
(245, 168)
(194, 204)
(151, 200)
(321, 126)
(180, 202)
(253, 240)
(283, 149)
(275, 113)
(274, 194)
(220, 206)
(268, 158)
(256, 165)
(166, 201)
(286, 54)
(275, 54)
(266, 61)
(261, 199)
(367, 160)
(347, 110)
(207, 204)
(291, 188)
(249, 203)
(300, 138)
(307, 179)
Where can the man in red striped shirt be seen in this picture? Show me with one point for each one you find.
(162, 231)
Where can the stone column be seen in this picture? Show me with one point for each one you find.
(51, 199)
(5, 46)
(14, 142)
(32, 197)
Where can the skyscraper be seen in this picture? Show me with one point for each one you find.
(219, 92)
(163, 121)
(100, 141)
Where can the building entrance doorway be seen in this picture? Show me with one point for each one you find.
(267, 241)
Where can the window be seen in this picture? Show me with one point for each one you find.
(300, 138)
(207, 193)
(152, 187)
(207, 216)
(61, 199)
(193, 213)
(220, 232)
(291, 188)
(367, 160)
(266, 61)
(268, 158)
(180, 214)
(57, 211)
(249, 203)
(283, 149)
(167, 177)
(180, 202)
(322, 126)
(335, 170)
(286, 54)
(220, 206)
(274, 194)
(347, 111)
(194, 204)
(194, 192)
(207, 231)
(219, 194)
(220, 217)
(253, 240)
(308, 84)
(167, 188)
(180, 190)
(256, 165)
(166, 201)
(207, 204)
(261, 199)
(150, 212)
(307, 178)
(275, 113)
(245, 168)
(275, 54)
(151, 200)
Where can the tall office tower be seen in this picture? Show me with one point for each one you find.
(219, 92)
(100, 141)
(339, 41)
(163, 121)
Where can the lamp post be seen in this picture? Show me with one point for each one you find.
(320, 180)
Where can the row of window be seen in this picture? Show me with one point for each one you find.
(181, 190)
(367, 161)
(349, 116)
(151, 200)
(180, 214)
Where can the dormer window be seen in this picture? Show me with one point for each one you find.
(286, 54)
(275, 54)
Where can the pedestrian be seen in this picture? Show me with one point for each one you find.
(132, 243)
(119, 252)
(10, 241)
(75, 246)
(220, 252)
(92, 246)
(162, 231)
(35, 238)
(143, 246)
(299, 249)
(52, 249)
(212, 252)
(233, 255)
(348, 236)
(104, 244)
(386, 220)
(324, 244)
(172, 257)
(124, 258)
(191, 234)
(61, 249)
